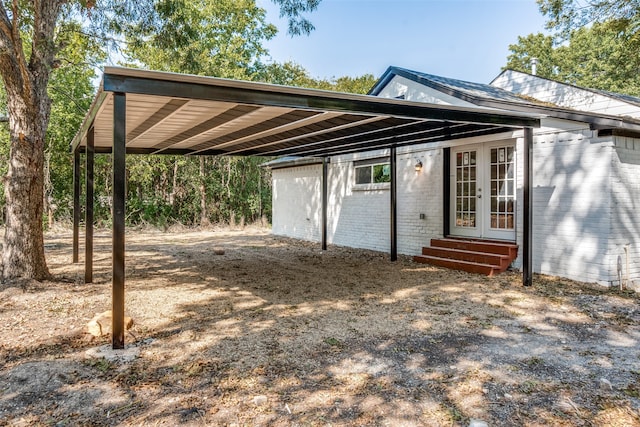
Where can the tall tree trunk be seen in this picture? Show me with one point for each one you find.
(23, 251)
(47, 200)
(174, 184)
(29, 106)
(204, 218)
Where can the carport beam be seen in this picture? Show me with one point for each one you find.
(88, 215)
(76, 205)
(527, 220)
(393, 214)
(325, 174)
(119, 170)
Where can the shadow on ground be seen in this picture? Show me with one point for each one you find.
(277, 332)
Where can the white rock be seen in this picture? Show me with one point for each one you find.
(565, 406)
(508, 396)
(260, 400)
(477, 423)
(605, 384)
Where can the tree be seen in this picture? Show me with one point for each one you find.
(610, 27)
(595, 57)
(222, 38)
(568, 15)
(538, 46)
(292, 74)
(29, 44)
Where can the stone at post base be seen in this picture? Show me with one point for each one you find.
(128, 354)
(101, 324)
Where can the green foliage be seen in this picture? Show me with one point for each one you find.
(568, 15)
(294, 9)
(292, 74)
(533, 46)
(221, 38)
(71, 91)
(598, 57)
(167, 189)
(214, 38)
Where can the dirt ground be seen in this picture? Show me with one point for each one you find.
(277, 333)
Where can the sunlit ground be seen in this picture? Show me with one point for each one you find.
(277, 332)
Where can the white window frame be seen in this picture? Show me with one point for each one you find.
(371, 163)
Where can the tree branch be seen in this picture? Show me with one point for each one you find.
(9, 57)
(5, 29)
(17, 47)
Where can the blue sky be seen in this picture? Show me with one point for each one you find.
(464, 39)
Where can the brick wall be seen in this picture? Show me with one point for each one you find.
(359, 216)
(297, 202)
(586, 198)
(625, 223)
(572, 205)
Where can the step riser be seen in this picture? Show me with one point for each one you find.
(474, 256)
(491, 248)
(455, 265)
(498, 260)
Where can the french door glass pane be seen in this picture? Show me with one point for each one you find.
(502, 188)
(466, 164)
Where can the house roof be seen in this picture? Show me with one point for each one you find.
(494, 97)
(462, 89)
(168, 113)
(619, 96)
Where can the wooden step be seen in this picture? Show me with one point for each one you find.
(487, 257)
(498, 260)
(471, 267)
(509, 249)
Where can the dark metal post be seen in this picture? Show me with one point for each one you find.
(446, 189)
(393, 216)
(325, 199)
(88, 215)
(76, 205)
(119, 169)
(527, 213)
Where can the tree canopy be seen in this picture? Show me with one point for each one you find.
(594, 45)
(594, 57)
(568, 15)
(50, 51)
(33, 35)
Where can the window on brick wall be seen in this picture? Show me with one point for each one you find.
(372, 171)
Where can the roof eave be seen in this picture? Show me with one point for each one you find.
(95, 107)
(207, 88)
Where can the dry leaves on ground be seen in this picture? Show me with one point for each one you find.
(276, 332)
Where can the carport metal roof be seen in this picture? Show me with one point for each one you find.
(168, 113)
(149, 112)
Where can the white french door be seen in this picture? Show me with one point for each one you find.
(483, 191)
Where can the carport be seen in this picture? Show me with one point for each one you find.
(149, 112)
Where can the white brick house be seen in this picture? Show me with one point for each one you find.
(586, 185)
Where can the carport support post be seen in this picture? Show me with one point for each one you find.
(88, 215)
(527, 220)
(325, 174)
(393, 213)
(76, 205)
(119, 169)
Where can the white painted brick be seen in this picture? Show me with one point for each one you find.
(297, 202)
(586, 205)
